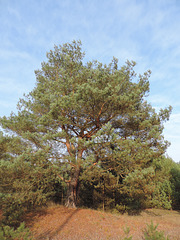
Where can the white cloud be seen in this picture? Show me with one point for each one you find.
(172, 134)
(14, 12)
(15, 54)
(10, 86)
(145, 31)
(159, 100)
(174, 124)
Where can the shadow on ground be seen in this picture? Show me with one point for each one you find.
(50, 235)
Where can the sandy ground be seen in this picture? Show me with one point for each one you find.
(60, 223)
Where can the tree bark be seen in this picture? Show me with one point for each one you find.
(73, 187)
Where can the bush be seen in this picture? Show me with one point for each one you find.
(9, 233)
(161, 195)
(151, 233)
(175, 184)
(127, 231)
(24, 185)
(12, 212)
(121, 208)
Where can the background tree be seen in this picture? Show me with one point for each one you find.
(175, 185)
(86, 117)
(26, 180)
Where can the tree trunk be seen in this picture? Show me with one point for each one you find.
(103, 194)
(73, 187)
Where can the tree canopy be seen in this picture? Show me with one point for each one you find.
(90, 123)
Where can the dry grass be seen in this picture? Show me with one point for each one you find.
(60, 223)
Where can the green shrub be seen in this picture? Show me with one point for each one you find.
(175, 185)
(151, 233)
(121, 208)
(9, 233)
(127, 231)
(26, 182)
(12, 212)
(161, 195)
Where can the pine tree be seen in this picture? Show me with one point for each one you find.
(88, 117)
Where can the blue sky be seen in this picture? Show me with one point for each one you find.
(146, 31)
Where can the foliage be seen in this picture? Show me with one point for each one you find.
(9, 233)
(161, 195)
(166, 193)
(175, 185)
(151, 233)
(84, 124)
(27, 181)
(127, 231)
(139, 186)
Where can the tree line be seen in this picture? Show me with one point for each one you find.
(86, 136)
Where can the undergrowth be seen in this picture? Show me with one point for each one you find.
(149, 233)
(9, 233)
